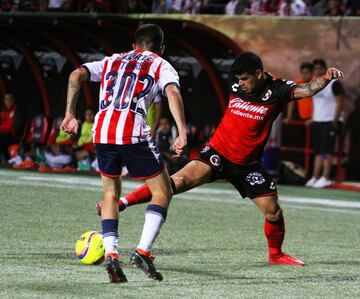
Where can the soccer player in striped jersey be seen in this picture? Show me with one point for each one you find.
(234, 151)
(129, 83)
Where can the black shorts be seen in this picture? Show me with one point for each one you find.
(324, 137)
(251, 180)
(142, 160)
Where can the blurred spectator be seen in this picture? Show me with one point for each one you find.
(293, 8)
(303, 107)
(55, 5)
(213, 6)
(165, 136)
(185, 6)
(193, 6)
(237, 7)
(92, 6)
(84, 148)
(9, 5)
(271, 7)
(327, 115)
(10, 125)
(162, 6)
(58, 155)
(138, 6)
(352, 8)
(320, 8)
(335, 8)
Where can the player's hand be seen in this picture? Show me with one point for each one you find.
(69, 124)
(333, 73)
(179, 145)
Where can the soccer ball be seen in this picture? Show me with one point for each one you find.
(90, 248)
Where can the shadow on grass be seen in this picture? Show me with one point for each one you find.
(258, 280)
(337, 263)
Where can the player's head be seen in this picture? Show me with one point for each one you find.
(165, 124)
(319, 67)
(248, 71)
(89, 115)
(307, 71)
(9, 101)
(149, 37)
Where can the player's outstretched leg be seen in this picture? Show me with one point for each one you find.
(140, 195)
(194, 173)
(109, 223)
(274, 229)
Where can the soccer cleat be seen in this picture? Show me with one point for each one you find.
(284, 259)
(311, 182)
(113, 268)
(322, 183)
(145, 263)
(99, 205)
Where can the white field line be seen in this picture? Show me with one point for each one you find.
(227, 196)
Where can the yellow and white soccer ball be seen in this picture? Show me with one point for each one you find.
(90, 248)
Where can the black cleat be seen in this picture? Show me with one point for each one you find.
(145, 263)
(113, 267)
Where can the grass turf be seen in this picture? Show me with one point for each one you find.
(212, 245)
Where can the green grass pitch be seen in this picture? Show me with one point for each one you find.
(212, 245)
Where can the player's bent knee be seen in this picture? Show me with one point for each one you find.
(274, 215)
(162, 195)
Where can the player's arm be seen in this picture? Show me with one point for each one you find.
(77, 77)
(177, 110)
(314, 86)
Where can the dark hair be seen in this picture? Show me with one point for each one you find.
(307, 65)
(150, 36)
(320, 61)
(246, 62)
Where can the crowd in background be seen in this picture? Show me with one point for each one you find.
(36, 145)
(228, 7)
(41, 144)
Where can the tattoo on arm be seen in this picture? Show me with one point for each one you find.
(72, 96)
(73, 91)
(311, 88)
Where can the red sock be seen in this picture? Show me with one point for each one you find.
(138, 196)
(275, 232)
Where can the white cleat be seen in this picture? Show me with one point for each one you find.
(311, 182)
(322, 183)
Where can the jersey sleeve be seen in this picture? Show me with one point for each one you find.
(94, 69)
(286, 89)
(168, 75)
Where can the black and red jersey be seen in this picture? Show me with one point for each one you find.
(244, 130)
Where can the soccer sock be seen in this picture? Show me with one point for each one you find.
(275, 232)
(155, 216)
(138, 196)
(110, 236)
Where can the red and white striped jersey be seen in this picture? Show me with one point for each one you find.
(129, 84)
